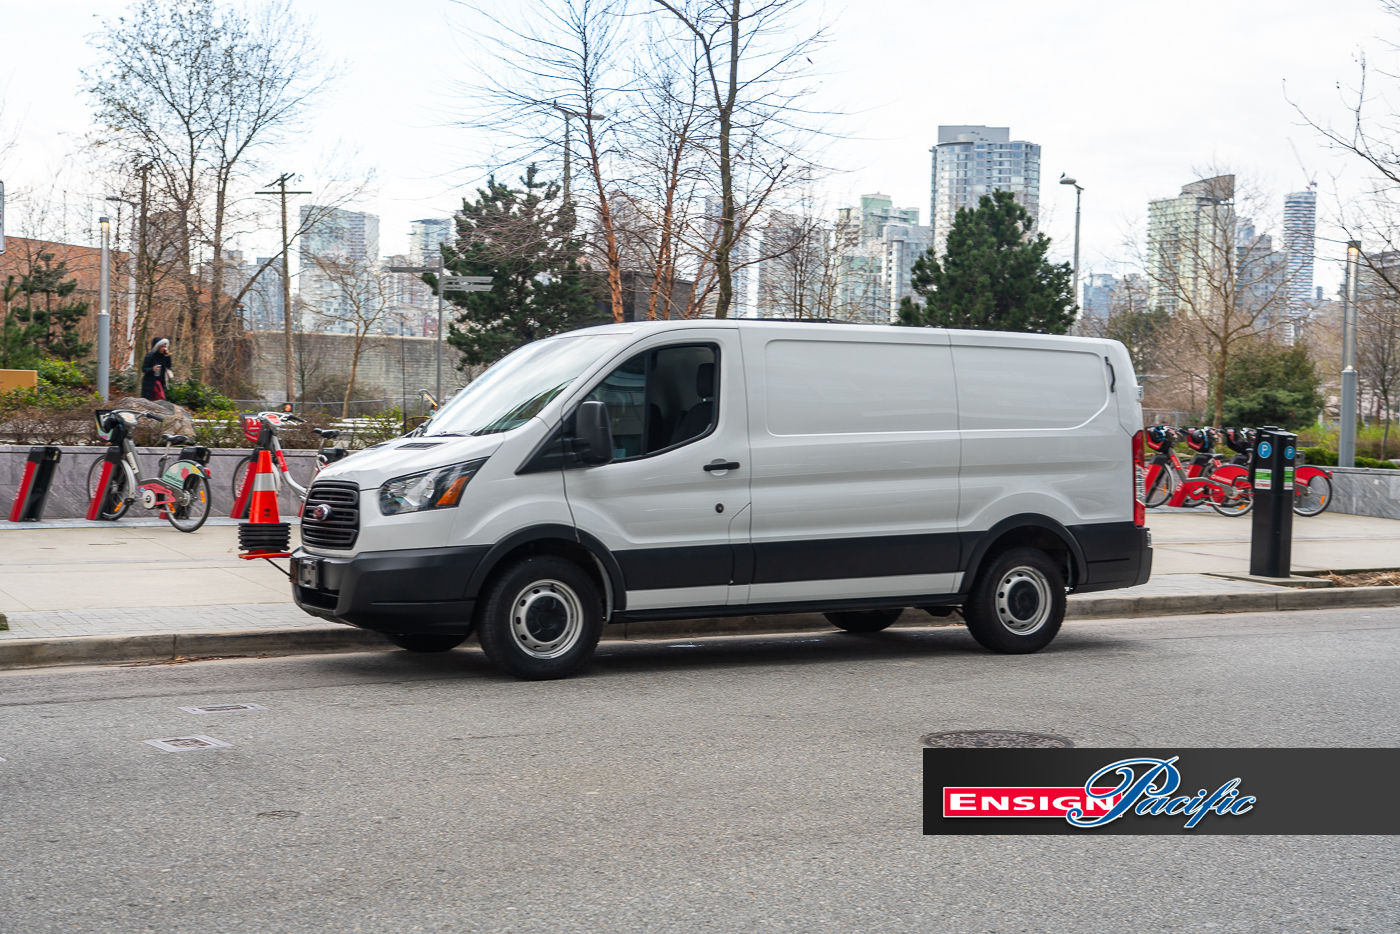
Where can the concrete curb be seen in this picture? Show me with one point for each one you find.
(167, 646)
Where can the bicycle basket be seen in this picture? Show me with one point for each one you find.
(1199, 439)
(1160, 437)
(104, 428)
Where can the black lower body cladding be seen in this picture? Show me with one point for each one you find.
(419, 590)
(1116, 554)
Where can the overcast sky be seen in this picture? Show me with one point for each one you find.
(1130, 98)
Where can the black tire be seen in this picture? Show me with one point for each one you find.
(239, 472)
(541, 619)
(116, 503)
(864, 620)
(1317, 498)
(429, 642)
(189, 517)
(1162, 488)
(1017, 602)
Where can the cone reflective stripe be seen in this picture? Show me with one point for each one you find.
(263, 507)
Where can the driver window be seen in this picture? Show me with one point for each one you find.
(660, 398)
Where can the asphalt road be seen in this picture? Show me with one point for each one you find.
(739, 784)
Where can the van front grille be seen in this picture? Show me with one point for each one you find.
(341, 526)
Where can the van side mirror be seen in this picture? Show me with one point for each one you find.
(593, 440)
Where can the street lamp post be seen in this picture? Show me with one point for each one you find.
(582, 115)
(1346, 431)
(1078, 193)
(104, 314)
(446, 283)
(133, 267)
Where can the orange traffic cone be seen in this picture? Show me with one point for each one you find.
(264, 533)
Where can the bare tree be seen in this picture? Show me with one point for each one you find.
(359, 296)
(1221, 280)
(753, 59)
(196, 90)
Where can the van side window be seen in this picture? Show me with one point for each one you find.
(660, 398)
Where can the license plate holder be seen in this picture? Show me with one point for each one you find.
(309, 573)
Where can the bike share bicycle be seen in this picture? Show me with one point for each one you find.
(1223, 486)
(180, 491)
(261, 430)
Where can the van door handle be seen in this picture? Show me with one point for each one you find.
(723, 465)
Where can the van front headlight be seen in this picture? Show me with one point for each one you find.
(440, 488)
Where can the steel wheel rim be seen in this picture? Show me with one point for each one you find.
(546, 619)
(1023, 600)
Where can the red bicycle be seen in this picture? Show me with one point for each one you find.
(1223, 486)
(261, 430)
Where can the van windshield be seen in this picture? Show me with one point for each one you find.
(517, 387)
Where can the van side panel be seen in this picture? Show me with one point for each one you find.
(1040, 432)
(855, 460)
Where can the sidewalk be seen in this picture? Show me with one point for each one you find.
(104, 582)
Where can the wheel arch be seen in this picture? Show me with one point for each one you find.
(562, 540)
(1028, 530)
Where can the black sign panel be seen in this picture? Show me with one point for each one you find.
(1162, 791)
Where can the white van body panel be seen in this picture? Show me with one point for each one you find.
(660, 513)
(1041, 433)
(854, 438)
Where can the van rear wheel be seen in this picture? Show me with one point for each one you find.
(1017, 603)
(541, 619)
(864, 620)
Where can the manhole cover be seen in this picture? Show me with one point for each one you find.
(994, 739)
(222, 708)
(186, 743)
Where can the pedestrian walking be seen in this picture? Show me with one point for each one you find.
(155, 370)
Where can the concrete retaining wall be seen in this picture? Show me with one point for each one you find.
(1365, 491)
(390, 368)
(68, 497)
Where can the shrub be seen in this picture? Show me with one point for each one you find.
(1321, 457)
(1374, 464)
(62, 374)
(197, 397)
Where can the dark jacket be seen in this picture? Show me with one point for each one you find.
(148, 375)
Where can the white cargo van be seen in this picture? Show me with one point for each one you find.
(683, 469)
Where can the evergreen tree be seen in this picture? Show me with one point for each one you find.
(992, 276)
(1270, 384)
(19, 340)
(524, 239)
(53, 325)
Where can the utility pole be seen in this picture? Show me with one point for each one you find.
(1346, 431)
(290, 371)
(104, 313)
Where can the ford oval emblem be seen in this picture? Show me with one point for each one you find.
(321, 513)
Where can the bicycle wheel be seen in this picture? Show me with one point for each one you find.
(1312, 498)
(115, 503)
(239, 473)
(190, 515)
(1162, 488)
(1238, 503)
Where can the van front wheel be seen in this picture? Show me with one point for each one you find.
(1017, 603)
(542, 619)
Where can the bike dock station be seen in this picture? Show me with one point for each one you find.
(34, 488)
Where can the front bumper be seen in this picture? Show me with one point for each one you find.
(419, 591)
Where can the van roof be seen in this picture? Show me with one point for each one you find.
(629, 327)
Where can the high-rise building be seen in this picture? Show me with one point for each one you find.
(971, 161)
(1299, 243)
(262, 304)
(426, 237)
(1098, 289)
(1185, 237)
(349, 237)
